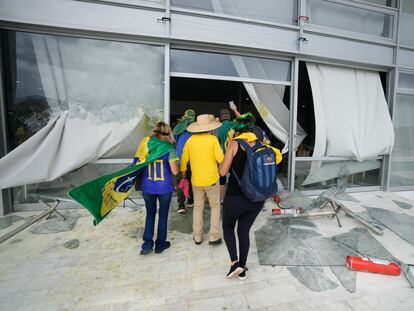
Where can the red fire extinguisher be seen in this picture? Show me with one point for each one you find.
(373, 265)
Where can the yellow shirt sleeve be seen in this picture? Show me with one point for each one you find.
(218, 152)
(185, 157)
(279, 156)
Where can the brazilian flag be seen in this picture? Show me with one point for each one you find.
(101, 195)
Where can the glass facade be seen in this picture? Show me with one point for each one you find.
(406, 81)
(316, 175)
(104, 86)
(45, 75)
(103, 80)
(407, 23)
(229, 65)
(280, 11)
(402, 159)
(350, 18)
(389, 3)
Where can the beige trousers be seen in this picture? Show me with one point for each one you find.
(213, 196)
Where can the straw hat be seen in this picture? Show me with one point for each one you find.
(204, 123)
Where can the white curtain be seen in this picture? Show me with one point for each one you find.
(63, 145)
(103, 98)
(351, 114)
(267, 99)
(351, 119)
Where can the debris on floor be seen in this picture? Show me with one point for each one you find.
(71, 244)
(8, 220)
(56, 223)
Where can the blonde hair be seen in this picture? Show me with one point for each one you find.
(161, 131)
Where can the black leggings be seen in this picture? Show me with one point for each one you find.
(239, 209)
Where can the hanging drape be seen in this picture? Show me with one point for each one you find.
(351, 118)
(267, 99)
(103, 98)
(351, 113)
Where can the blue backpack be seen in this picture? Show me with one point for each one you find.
(259, 175)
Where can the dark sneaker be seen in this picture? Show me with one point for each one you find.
(167, 244)
(197, 242)
(145, 251)
(221, 204)
(216, 242)
(235, 269)
(242, 276)
(181, 209)
(189, 204)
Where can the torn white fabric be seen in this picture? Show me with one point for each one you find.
(63, 145)
(103, 97)
(267, 99)
(351, 114)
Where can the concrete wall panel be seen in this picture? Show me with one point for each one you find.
(84, 15)
(209, 30)
(349, 50)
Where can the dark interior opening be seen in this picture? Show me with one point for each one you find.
(209, 96)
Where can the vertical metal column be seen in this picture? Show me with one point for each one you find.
(167, 63)
(5, 195)
(293, 112)
(392, 94)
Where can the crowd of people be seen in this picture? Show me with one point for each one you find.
(210, 157)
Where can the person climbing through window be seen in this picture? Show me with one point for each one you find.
(238, 207)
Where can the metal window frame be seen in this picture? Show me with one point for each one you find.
(397, 91)
(227, 78)
(6, 201)
(384, 169)
(357, 35)
(169, 43)
(144, 4)
(228, 17)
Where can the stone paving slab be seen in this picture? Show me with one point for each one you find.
(106, 272)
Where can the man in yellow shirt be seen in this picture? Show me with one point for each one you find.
(204, 153)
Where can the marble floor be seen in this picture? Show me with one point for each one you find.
(99, 268)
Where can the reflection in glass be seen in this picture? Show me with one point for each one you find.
(407, 23)
(402, 159)
(99, 80)
(315, 175)
(59, 187)
(341, 16)
(406, 81)
(229, 65)
(280, 11)
(389, 3)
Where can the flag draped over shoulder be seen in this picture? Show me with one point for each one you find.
(101, 195)
(225, 133)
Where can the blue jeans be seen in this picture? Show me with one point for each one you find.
(151, 206)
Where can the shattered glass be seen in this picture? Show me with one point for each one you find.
(400, 224)
(296, 243)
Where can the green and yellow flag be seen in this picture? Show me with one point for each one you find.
(101, 195)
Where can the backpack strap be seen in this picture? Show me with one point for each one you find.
(249, 150)
(247, 147)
